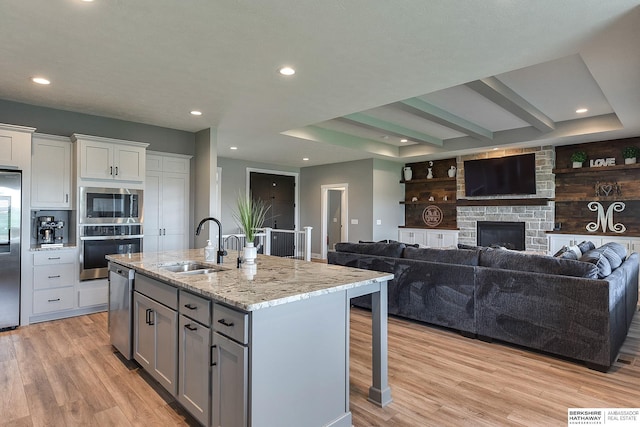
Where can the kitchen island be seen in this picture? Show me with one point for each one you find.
(277, 338)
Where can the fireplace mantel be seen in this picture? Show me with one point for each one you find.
(532, 201)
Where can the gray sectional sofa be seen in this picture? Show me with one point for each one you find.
(556, 305)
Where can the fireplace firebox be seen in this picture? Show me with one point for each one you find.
(510, 235)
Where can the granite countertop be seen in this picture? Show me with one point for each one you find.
(271, 281)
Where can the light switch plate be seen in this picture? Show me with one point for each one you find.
(354, 221)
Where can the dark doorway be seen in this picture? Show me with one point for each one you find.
(278, 192)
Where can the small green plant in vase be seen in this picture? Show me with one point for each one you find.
(630, 154)
(250, 216)
(578, 158)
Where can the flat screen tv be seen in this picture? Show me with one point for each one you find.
(500, 176)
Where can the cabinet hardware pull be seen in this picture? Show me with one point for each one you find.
(54, 277)
(191, 306)
(111, 170)
(66, 198)
(191, 328)
(164, 231)
(211, 362)
(152, 321)
(53, 300)
(225, 323)
(148, 316)
(52, 258)
(116, 170)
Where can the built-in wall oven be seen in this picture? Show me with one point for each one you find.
(110, 222)
(96, 241)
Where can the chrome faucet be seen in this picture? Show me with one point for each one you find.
(240, 260)
(221, 252)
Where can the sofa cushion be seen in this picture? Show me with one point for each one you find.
(445, 256)
(597, 258)
(620, 250)
(393, 250)
(515, 260)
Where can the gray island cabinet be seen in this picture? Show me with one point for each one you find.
(260, 346)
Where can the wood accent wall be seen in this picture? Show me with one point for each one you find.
(576, 188)
(439, 187)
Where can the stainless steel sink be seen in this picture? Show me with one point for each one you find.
(190, 267)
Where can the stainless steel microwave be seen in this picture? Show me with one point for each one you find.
(110, 205)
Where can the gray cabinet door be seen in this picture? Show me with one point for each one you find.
(229, 377)
(194, 351)
(155, 339)
(165, 369)
(143, 331)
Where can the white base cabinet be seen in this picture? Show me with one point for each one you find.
(433, 238)
(557, 241)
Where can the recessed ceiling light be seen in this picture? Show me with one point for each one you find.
(87, 1)
(403, 140)
(40, 80)
(233, 148)
(581, 110)
(306, 159)
(196, 113)
(287, 71)
(495, 148)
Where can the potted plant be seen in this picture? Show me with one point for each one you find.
(630, 154)
(578, 158)
(250, 217)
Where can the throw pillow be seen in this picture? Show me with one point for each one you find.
(568, 255)
(562, 250)
(585, 246)
(599, 260)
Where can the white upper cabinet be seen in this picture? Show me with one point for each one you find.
(15, 146)
(51, 172)
(110, 159)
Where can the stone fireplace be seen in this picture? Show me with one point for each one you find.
(506, 234)
(537, 219)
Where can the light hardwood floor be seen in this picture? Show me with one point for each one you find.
(65, 373)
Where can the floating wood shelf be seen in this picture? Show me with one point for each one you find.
(589, 170)
(537, 201)
(427, 202)
(561, 199)
(424, 180)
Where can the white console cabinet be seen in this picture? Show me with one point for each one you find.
(433, 238)
(557, 241)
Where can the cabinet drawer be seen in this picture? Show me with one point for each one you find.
(195, 307)
(54, 257)
(53, 276)
(231, 323)
(161, 292)
(49, 300)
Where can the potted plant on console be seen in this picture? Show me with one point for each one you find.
(630, 154)
(578, 158)
(250, 217)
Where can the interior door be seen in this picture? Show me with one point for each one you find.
(278, 192)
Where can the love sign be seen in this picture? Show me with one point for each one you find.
(596, 163)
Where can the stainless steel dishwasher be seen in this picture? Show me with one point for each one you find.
(121, 308)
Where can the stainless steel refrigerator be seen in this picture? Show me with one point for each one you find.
(10, 199)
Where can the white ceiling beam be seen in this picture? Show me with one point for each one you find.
(435, 114)
(500, 94)
(392, 129)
